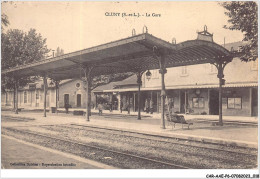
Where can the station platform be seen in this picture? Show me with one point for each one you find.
(237, 131)
(32, 156)
(227, 119)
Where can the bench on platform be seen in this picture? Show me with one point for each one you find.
(78, 113)
(19, 109)
(173, 119)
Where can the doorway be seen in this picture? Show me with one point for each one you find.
(214, 102)
(36, 99)
(183, 97)
(66, 99)
(78, 100)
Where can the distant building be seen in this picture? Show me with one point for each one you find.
(31, 96)
(194, 89)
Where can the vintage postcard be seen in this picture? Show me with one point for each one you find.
(129, 85)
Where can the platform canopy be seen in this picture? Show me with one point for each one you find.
(131, 54)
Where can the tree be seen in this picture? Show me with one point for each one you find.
(19, 48)
(4, 20)
(243, 15)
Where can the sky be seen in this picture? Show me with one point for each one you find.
(78, 25)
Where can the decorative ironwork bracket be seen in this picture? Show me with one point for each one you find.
(87, 73)
(139, 76)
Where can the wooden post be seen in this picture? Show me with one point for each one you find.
(44, 93)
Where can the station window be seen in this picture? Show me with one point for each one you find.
(25, 97)
(37, 95)
(234, 103)
(198, 102)
(77, 85)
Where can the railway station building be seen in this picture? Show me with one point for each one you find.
(188, 81)
(70, 92)
(191, 89)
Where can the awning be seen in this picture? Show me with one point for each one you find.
(126, 55)
(205, 86)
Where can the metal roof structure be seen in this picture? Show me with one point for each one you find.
(131, 54)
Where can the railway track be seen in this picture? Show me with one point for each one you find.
(170, 152)
(220, 157)
(166, 140)
(137, 161)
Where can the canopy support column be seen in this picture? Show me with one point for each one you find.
(185, 102)
(56, 92)
(160, 55)
(220, 76)
(220, 66)
(162, 71)
(139, 82)
(134, 102)
(16, 96)
(45, 93)
(87, 80)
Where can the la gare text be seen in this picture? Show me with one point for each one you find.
(124, 14)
